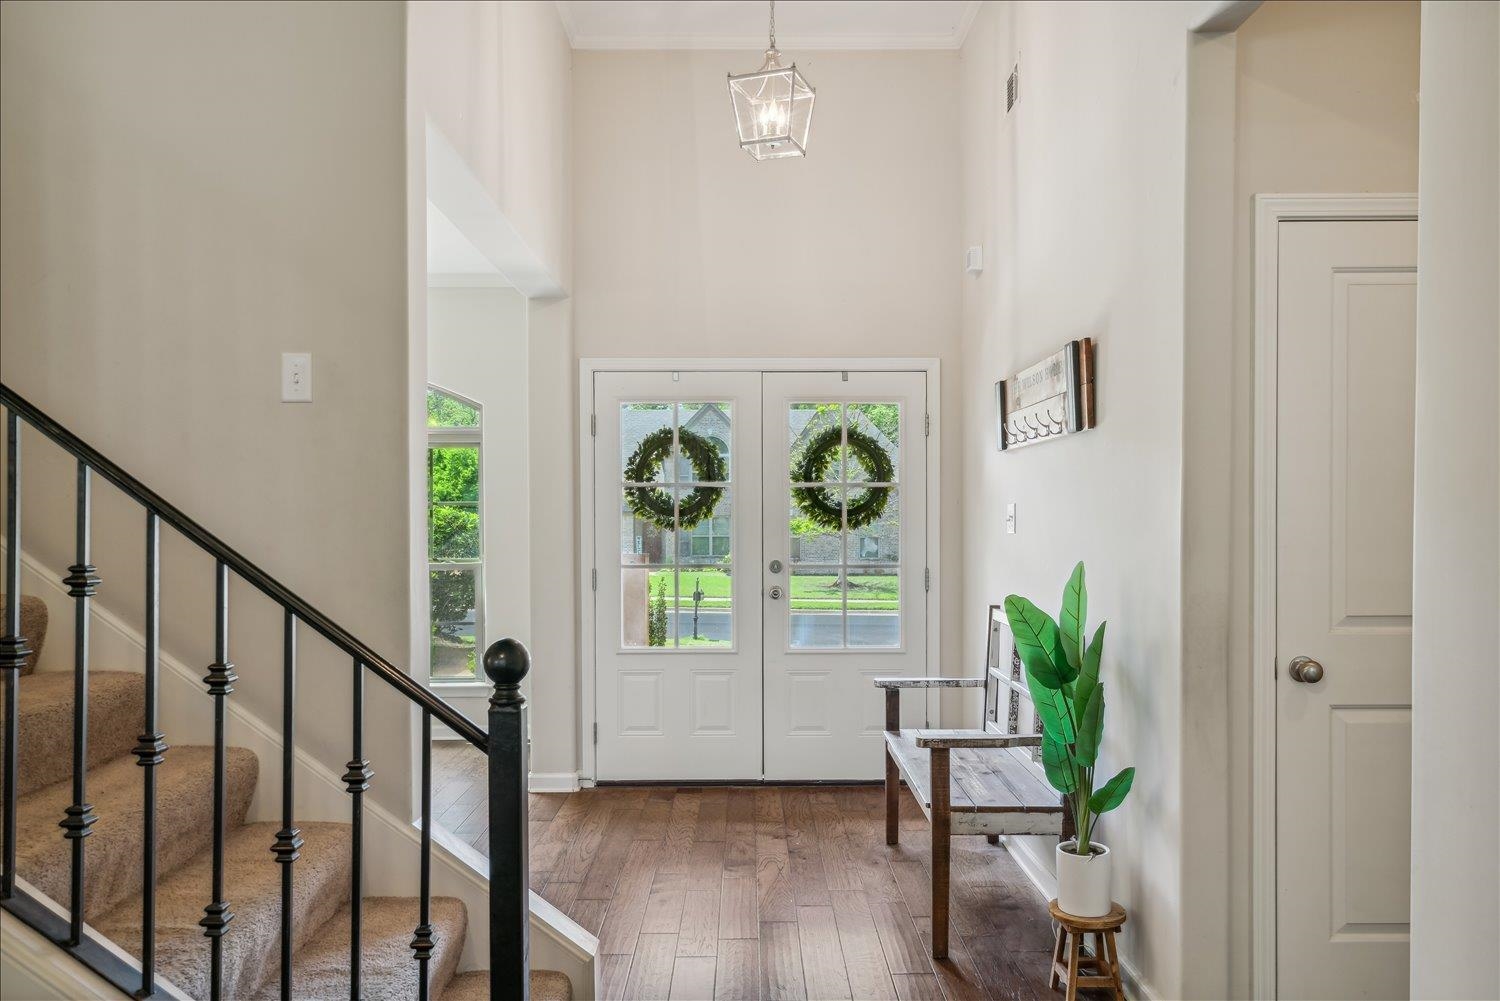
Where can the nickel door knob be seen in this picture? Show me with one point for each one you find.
(776, 593)
(1306, 670)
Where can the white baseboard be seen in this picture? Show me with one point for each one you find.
(391, 844)
(553, 782)
(1046, 883)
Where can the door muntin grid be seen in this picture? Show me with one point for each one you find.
(844, 588)
(676, 586)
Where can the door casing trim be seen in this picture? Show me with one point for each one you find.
(1270, 211)
(587, 709)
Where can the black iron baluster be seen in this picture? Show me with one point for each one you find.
(149, 750)
(220, 681)
(289, 838)
(82, 583)
(422, 944)
(13, 648)
(506, 663)
(356, 780)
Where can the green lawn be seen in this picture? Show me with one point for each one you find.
(809, 592)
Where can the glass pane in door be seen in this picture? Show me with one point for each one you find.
(844, 525)
(676, 525)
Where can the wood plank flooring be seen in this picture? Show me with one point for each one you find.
(774, 892)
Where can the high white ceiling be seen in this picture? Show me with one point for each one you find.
(741, 24)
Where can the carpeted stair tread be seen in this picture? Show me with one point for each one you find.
(387, 970)
(546, 985)
(33, 628)
(252, 888)
(113, 851)
(44, 739)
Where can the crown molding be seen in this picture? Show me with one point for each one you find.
(757, 42)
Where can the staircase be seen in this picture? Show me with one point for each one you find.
(173, 874)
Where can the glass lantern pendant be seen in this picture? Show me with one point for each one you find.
(772, 106)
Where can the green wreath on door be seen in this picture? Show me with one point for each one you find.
(654, 504)
(824, 506)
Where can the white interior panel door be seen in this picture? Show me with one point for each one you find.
(1346, 321)
(844, 583)
(677, 606)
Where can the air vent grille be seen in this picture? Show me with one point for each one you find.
(1012, 89)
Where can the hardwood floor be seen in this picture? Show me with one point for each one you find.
(775, 892)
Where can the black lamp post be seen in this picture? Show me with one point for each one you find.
(697, 600)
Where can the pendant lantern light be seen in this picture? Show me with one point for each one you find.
(772, 106)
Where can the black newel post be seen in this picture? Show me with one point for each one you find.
(506, 662)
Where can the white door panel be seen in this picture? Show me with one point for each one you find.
(678, 682)
(853, 602)
(1345, 403)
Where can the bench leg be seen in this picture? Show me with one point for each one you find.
(941, 830)
(892, 800)
(892, 776)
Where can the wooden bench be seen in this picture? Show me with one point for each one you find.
(966, 782)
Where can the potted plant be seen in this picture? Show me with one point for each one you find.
(1062, 672)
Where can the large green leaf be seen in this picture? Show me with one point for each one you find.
(1036, 638)
(1090, 728)
(1074, 614)
(1113, 793)
(1058, 765)
(1052, 706)
(1088, 673)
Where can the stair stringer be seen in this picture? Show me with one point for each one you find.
(391, 846)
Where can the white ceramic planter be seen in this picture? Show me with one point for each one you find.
(1083, 881)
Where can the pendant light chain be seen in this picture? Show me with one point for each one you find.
(772, 104)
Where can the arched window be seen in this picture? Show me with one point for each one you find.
(455, 539)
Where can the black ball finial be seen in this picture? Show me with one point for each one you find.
(507, 662)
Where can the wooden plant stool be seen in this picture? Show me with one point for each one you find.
(1074, 969)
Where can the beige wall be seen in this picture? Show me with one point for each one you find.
(494, 78)
(1455, 891)
(1077, 197)
(688, 248)
(1310, 98)
(553, 470)
(186, 192)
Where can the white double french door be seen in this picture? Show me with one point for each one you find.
(760, 558)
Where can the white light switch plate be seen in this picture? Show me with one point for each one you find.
(296, 378)
(1010, 519)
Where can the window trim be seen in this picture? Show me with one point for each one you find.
(441, 437)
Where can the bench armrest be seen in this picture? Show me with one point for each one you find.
(973, 738)
(935, 682)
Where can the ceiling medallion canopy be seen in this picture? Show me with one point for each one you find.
(772, 106)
